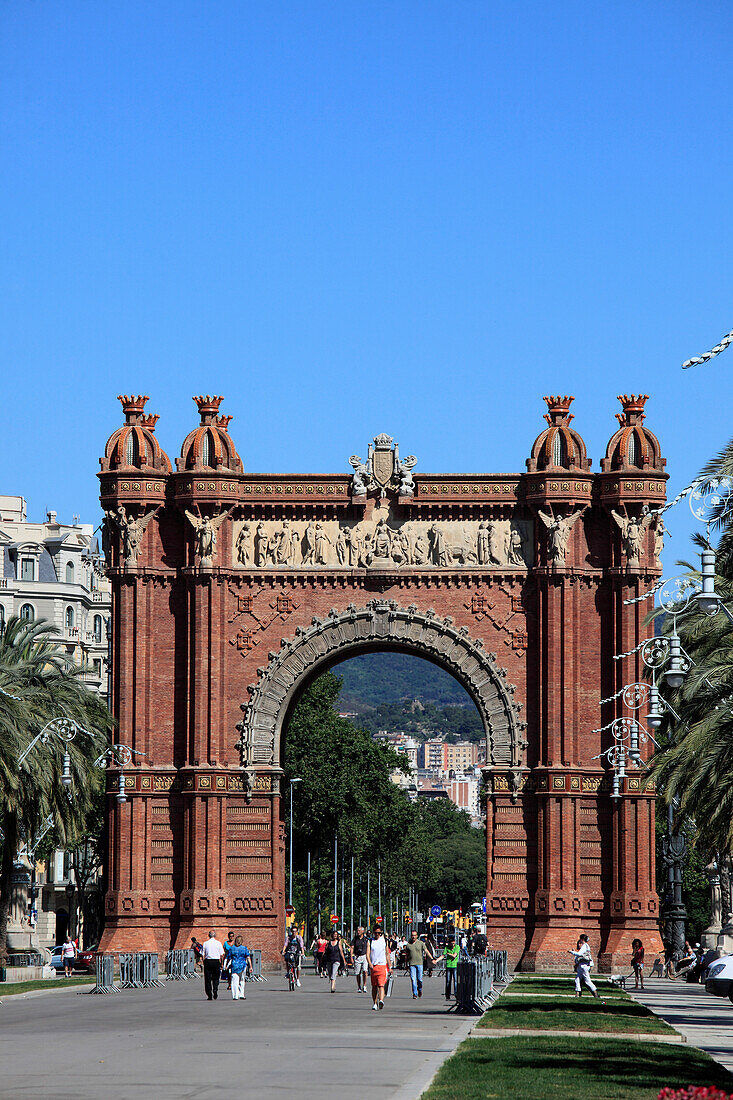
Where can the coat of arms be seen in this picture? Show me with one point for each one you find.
(383, 469)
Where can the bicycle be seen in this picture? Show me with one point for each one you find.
(292, 971)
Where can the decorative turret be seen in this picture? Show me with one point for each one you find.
(210, 447)
(633, 447)
(134, 446)
(559, 447)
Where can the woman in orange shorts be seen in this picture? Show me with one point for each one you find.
(378, 963)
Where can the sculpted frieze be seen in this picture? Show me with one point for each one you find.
(385, 541)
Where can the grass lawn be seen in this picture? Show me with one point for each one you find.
(556, 985)
(617, 1014)
(8, 989)
(571, 1069)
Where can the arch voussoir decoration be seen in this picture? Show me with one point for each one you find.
(380, 622)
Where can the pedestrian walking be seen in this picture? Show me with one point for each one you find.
(451, 955)
(378, 963)
(433, 953)
(240, 964)
(416, 951)
(333, 958)
(669, 960)
(68, 955)
(637, 963)
(321, 945)
(359, 949)
(196, 948)
(583, 963)
(212, 953)
(226, 961)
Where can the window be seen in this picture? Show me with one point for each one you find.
(130, 450)
(69, 572)
(27, 571)
(97, 666)
(633, 460)
(97, 628)
(2, 619)
(69, 618)
(27, 613)
(559, 450)
(206, 450)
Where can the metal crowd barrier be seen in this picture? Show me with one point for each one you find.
(24, 958)
(474, 985)
(500, 963)
(139, 970)
(256, 975)
(105, 975)
(180, 965)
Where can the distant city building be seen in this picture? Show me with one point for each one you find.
(53, 571)
(441, 754)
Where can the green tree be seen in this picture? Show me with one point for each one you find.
(346, 790)
(38, 684)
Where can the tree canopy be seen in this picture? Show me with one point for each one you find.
(39, 684)
(346, 791)
(694, 765)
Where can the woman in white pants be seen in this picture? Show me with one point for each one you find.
(583, 963)
(241, 964)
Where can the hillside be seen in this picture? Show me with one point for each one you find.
(394, 691)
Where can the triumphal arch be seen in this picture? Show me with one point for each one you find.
(232, 589)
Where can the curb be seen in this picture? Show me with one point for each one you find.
(627, 1036)
(415, 1086)
(31, 993)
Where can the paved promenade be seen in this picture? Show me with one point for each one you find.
(706, 1021)
(172, 1042)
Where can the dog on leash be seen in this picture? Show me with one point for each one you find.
(657, 971)
(619, 980)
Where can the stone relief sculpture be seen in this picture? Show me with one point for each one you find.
(633, 530)
(383, 470)
(656, 523)
(132, 531)
(243, 545)
(404, 472)
(205, 530)
(386, 540)
(558, 533)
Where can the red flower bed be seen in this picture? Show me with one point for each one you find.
(695, 1092)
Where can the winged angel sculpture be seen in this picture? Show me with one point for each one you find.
(132, 530)
(205, 529)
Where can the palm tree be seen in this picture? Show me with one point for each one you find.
(40, 683)
(694, 771)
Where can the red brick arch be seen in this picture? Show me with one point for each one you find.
(518, 584)
(380, 625)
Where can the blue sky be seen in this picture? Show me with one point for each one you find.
(360, 217)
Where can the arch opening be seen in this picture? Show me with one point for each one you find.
(380, 625)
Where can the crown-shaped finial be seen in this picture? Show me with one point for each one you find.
(132, 407)
(149, 421)
(223, 422)
(557, 410)
(208, 407)
(383, 441)
(633, 406)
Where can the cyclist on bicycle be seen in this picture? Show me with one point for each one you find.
(293, 950)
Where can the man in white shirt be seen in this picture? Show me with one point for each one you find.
(211, 953)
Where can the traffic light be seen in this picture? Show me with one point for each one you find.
(395, 916)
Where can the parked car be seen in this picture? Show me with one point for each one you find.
(84, 959)
(719, 977)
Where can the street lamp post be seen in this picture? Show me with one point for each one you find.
(70, 895)
(290, 891)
